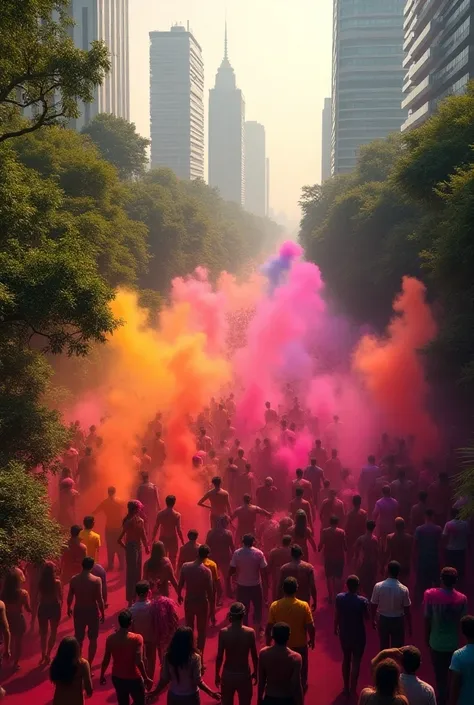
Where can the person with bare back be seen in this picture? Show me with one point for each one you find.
(236, 643)
(85, 590)
(168, 521)
(199, 603)
(219, 502)
(246, 516)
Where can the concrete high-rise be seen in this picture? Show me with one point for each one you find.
(176, 103)
(226, 134)
(367, 76)
(439, 59)
(255, 169)
(107, 21)
(326, 126)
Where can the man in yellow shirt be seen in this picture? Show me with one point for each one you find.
(90, 538)
(114, 510)
(298, 616)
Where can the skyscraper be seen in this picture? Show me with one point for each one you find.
(176, 103)
(439, 54)
(226, 133)
(326, 141)
(367, 76)
(105, 20)
(255, 168)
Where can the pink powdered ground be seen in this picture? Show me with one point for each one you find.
(30, 686)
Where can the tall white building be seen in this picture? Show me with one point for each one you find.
(104, 20)
(326, 140)
(226, 134)
(255, 169)
(176, 103)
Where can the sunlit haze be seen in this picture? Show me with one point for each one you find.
(281, 53)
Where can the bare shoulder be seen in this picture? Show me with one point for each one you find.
(294, 656)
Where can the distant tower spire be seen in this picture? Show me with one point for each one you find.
(225, 40)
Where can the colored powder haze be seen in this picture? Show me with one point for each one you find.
(254, 338)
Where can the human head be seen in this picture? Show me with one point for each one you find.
(111, 491)
(386, 677)
(125, 619)
(247, 499)
(299, 492)
(236, 612)
(217, 482)
(411, 659)
(334, 521)
(313, 462)
(334, 453)
(318, 443)
(181, 647)
(158, 552)
(399, 525)
(170, 500)
(88, 451)
(92, 428)
(286, 540)
(467, 628)
(422, 496)
(88, 522)
(429, 515)
(370, 526)
(281, 633)
(87, 564)
(202, 432)
(449, 577)
(356, 501)
(133, 507)
(332, 494)
(371, 459)
(335, 418)
(326, 484)
(393, 569)
(296, 552)
(401, 473)
(269, 481)
(203, 551)
(193, 534)
(299, 473)
(75, 530)
(301, 520)
(248, 540)
(142, 588)
(145, 476)
(353, 583)
(267, 404)
(144, 450)
(240, 452)
(386, 490)
(290, 586)
(248, 467)
(64, 665)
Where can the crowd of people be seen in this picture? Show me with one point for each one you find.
(390, 539)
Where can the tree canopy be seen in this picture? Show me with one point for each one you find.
(119, 143)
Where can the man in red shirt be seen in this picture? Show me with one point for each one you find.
(128, 670)
(333, 541)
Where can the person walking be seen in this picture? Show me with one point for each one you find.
(131, 538)
(125, 648)
(418, 692)
(85, 590)
(199, 603)
(297, 614)
(70, 674)
(444, 609)
(158, 571)
(249, 566)
(462, 667)
(333, 542)
(73, 555)
(236, 644)
(90, 538)
(456, 536)
(303, 573)
(17, 602)
(279, 671)
(113, 510)
(352, 611)
(391, 609)
(50, 600)
(388, 689)
(426, 555)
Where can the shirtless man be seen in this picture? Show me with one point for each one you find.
(366, 559)
(221, 543)
(304, 484)
(199, 601)
(168, 521)
(219, 502)
(189, 551)
(246, 516)
(236, 643)
(304, 574)
(4, 634)
(278, 557)
(299, 503)
(279, 671)
(399, 548)
(85, 590)
(267, 495)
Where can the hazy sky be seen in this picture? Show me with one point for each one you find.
(281, 53)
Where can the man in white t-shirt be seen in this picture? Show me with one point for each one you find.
(418, 692)
(391, 608)
(249, 566)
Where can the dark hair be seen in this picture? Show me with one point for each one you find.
(248, 540)
(399, 523)
(334, 521)
(301, 524)
(75, 530)
(387, 677)
(216, 481)
(286, 540)
(423, 496)
(170, 500)
(299, 472)
(193, 534)
(180, 649)
(158, 553)
(371, 459)
(65, 663)
(357, 500)
(429, 513)
(281, 633)
(411, 659)
(299, 492)
(87, 563)
(142, 587)
(393, 569)
(11, 587)
(111, 490)
(386, 490)
(467, 626)
(296, 551)
(326, 483)
(370, 526)
(290, 586)
(203, 551)
(88, 522)
(352, 583)
(247, 499)
(47, 580)
(449, 577)
(125, 618)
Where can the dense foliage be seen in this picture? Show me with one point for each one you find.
(119, 143)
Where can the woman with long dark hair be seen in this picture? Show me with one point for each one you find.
(158, 571)
(70, 674)
(17, 602)
(131, 538)
(388, 690)
(302, 534)
(182, 671)
(50, 600)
